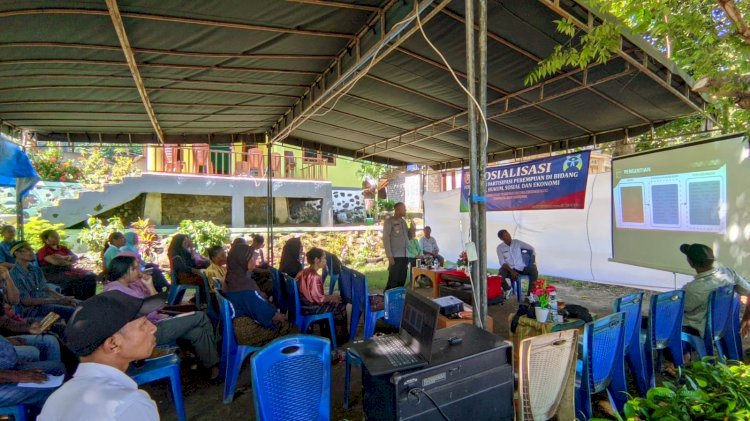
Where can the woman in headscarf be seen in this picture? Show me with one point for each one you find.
(292, 257)
(314, 300)
(124, 275)
(112, 248)
(184, 265)
(131, 247)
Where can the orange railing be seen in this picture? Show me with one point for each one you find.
(201, 159)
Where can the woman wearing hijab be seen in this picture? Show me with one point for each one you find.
(292, 257)
(241, 262)
(184, 265)
(256, 321)
(131, 247)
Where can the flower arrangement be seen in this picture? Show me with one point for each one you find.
(463, 260)
(542, 292)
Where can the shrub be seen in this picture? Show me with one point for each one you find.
(35, 226)
(711, 391)
(147, 236)
(204, 234)
(123, 167)
(386, 204)
(94, 167)
(51, 166)
(96, 234)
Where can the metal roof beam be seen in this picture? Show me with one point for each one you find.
(130, 113)
(100, 47)
(554, 5)
(175, 19)
(128, 88)
(415, 92)
(345, 74)
(166, 104)
(153, 79)
(494, 88)
(159, 65)
(114, 13)
(363, 152)
(360, 143)
(336, 4)
(502, 41)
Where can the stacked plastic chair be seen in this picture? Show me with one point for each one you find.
(664, 330)
(177, 292)
(159, 368)
(734, 341)
(279, 299)
(718, 332)
(394, 307)
(232, 353)
(634, 351)
(291, 379)
(362, 306)
(529, 258)
(303, 321)
(602, 364)
(328, 271)
(546, 376)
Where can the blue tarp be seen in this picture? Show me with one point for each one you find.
(15, 167)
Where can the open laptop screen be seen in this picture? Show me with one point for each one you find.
(419, 320)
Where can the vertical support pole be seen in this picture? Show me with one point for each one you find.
(269, 204)
(482, 152)
(473, 169)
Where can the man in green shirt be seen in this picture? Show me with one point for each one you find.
(708, 278)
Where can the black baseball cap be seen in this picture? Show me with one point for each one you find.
(101, 316)
(699, 254)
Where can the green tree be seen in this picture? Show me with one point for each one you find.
(710, 39)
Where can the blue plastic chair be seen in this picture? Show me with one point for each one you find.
(292, 379)
(529, 258)
(394, 305)
(631, 304)
(303, 321)
(232, 353)
(718, 325)
(278, 292)
(167, 366)
(329, 271)
(352, 359)
(18, 412)
(664, 329)
(362, 306)
(177, 292)
(734, 341)
(602, 366)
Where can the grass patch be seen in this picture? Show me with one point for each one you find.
(377, 275)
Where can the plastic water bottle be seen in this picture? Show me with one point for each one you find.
(553, 305)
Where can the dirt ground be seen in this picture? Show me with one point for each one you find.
(203, 400)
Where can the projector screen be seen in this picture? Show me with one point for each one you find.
(693, 193)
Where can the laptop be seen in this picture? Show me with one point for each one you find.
(411, 347)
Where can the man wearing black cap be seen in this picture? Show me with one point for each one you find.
(107, 332)
(708, 278)
(37, 300)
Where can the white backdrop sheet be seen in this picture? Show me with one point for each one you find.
(570, 243)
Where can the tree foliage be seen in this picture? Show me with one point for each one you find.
(709, 39)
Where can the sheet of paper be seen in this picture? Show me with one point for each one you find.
(52, 381)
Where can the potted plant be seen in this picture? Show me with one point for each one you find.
(542, 292)
(463, 261)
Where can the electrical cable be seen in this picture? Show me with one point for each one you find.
(416, 392)
(350, 84)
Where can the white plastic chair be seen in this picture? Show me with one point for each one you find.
(546, 376)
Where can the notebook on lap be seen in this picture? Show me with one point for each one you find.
(411, 347)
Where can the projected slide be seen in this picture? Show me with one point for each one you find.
(690, 201)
